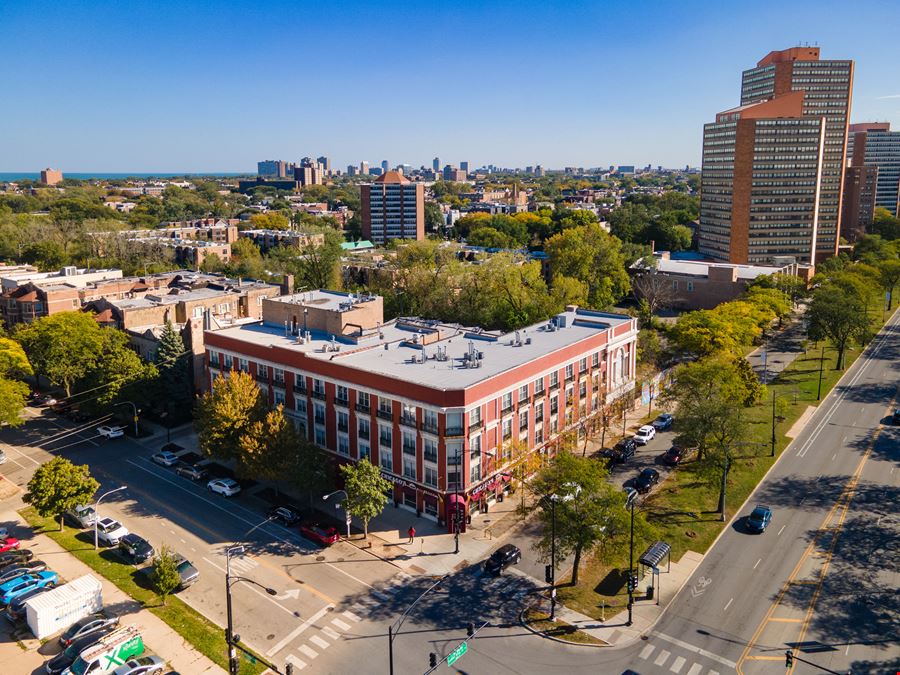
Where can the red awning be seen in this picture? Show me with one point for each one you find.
(454, 498)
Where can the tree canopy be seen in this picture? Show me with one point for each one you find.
(59, 485)
(365, 490)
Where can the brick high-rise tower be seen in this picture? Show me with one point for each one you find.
(773, 168)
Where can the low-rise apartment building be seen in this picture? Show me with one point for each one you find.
(269, 239)
(446, 412)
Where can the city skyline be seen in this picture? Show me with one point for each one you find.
(183, 87)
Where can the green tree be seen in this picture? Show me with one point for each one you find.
(270, 221)
(365, 489)
(886, 225)
(225, 414)
(118, 373)
(319, 265)
(889, 276)
(59, 485)
(13, 361)
(62, 347)
(488, 237)
(838, 313)
(174, 366)
(165, 576)
(13, 395)
(434, 217)
(590, 511)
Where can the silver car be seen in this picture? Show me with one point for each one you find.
(144, 665)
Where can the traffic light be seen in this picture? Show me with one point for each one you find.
(289, 669)
(788, 659)
(432, 660)
(548, 574)
(632, 583)
(470, 629)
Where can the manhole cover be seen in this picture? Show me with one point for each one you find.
(320, 558)
(270, 636)
(340, 560)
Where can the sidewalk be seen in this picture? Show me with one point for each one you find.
(25, 654)
(779, 351)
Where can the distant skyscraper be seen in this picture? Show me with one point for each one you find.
(274, 168)
(538, 171)
(392, 207)
(436, 164)
(385, 166)
(454, 174)
(464, 166)
(364, 168)
(325, 162)
(773, 167)
(352, 170)
(874, 144)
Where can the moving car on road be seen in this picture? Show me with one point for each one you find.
(646, 480)
(89, 625)
(227, 487)
(759, 519)
(503, 557)
(663, 422)
(135, 548)
(82, 516)
(165, 458)
(110, 432)
(110, 531)
(13, 588)
(324, 536)
(645, 434)
(186, 470)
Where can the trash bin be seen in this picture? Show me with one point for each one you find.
(650, 592)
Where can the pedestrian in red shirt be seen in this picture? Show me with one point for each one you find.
(412, 534)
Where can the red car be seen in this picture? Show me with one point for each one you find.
(325, 536)
(8, 544)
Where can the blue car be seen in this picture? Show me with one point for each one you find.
(663, 422)
(759, 519)
(13, 588)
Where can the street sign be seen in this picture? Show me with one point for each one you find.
(457, 653)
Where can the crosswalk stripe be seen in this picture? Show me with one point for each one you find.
(330, 633)
(350, 615)
(294, 661)
(340, 624)
(677, 664)
(646, 651)
(695, 669)
(319, 642)
(311, 653)
(713, 672)
(697, 650)
(662, 658)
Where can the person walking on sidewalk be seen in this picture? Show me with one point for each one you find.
(412, 534)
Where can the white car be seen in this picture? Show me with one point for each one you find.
(110, 432)
(165, 458)
(83, 515)
(644, 434)
(109, 531)
(224, 486)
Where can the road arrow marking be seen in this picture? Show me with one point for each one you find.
(292, 593)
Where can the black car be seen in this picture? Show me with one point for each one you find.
(89, 625)
(285, 514)
(190, 471)
(673, 456)
(171, 447)
(646, 480)
(135, 548)
(15, 610)
(19, 568)
(15, 556)
(895, 418)
(67, 656)
(622, 451)
(502, 558)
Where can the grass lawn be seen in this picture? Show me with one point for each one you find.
(540, 621)
(682, 511)
(204, 635)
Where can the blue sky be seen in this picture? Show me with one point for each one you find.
(216, 86)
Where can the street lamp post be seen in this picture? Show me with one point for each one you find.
(346, 512)
(632, 498)
(394, 628)
(554, 498)
(97, 513)
(457, 524)
(821, 368)
(230, 638)
(134, 416)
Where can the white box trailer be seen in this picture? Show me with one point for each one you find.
(54, 610)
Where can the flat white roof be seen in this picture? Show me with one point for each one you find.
(700, 268)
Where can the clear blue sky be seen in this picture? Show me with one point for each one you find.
(194, 86)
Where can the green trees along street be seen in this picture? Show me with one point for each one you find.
(60, 485)
(13, 392)
(165, 577)
(226, 413)
(365, 490)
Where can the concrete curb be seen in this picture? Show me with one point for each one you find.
(531, 630)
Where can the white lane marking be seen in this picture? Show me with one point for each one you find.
(781, 530)
(758, 561)
(833, 456)
(330, 633)
(300, 665)
(646, 651)
(340, 624)
(299, 629)
(248, 522)
(695, 669)
(251, 588)
(661, 659)
(350, 615)
(319, 642)
(182, 541)
(307, 651)
(696, 650)
(677, 664)
(713, 672)
(728, 604)
(19, 452)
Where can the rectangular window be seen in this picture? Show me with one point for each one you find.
(343, 445)
(320, 437)
(362, 399)
(408, 414)
(595, 359)
(363, 429)
(365, 452)
(538, 413)
(409, 467)
(454, 424)
(387, 459)
(300, 405)
(229, 361)
(278, 397)
(318, 388)
(244, 365)
(523, 420)
(523, 393)
(429, 421)
(690, 286)
(384, 436)
(319, 413)
(409, 443)
(300, 382)
(538, 436)
(507, 402)
(475, 416)
(430, 449)
(475, 472)
(214, 359)
(507, 429)
(453, 480)
(341, 396)
(570, 371)
(582, 365)
(343, 421)
(554, 405)
(582, 389)
(554, 379)
(431, 476)
(539, 386)
(278, 376)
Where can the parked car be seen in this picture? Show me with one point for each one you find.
(165, 458)
(110, 432)
(45, 399)
(285, 515)
(68, 655)
(186, 572)
(503, 557)
(15, 610)
(18, 569)
(110, 531)
(324, 536)
(135, 548)
(622, 451)
(190, 471)
(145, 665)
(663, 422)
(8, 544)
(673, 456)
(895, 418)
(759, 519)
(18, 555)
(89, 625)
(224, 486)
(13, 588)
(646, 479)
(174, 448)
(645, 434)
(82, 516)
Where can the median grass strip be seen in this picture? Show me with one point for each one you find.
(199, 631)
(682, 511)
(540, 622)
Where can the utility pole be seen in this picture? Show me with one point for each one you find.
(821, 368)
(632, 498)
(553, 557)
